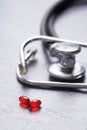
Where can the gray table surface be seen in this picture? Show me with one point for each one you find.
(62, 109)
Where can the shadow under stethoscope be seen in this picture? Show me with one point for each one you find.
(67, 89)
(63, 89)
(75, 90)
(81, 80)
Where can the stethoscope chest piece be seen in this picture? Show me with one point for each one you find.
(67, 67)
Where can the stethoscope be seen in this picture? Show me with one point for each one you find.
(66, 66)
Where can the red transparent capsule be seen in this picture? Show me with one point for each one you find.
(23, 105)
(35, 109)
(35, 103)
(24, 100)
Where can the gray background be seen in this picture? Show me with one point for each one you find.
(62, 109)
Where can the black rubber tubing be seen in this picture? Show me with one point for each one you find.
(47, 25)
